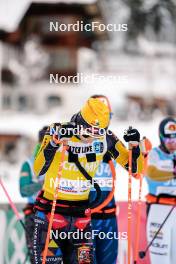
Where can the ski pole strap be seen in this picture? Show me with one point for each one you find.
(108, 210)
(89, 178)
(70, 208)
(105, 213)
(111, 194)
(94, 207)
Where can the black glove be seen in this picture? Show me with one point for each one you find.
(132, 136)
(106, 157)
(62, 131)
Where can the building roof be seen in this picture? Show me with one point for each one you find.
(34, 19)
(17, 8)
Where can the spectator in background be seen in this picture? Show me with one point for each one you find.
(161, 200)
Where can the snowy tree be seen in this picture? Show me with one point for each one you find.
(154, 19)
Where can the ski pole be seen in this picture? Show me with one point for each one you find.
(129, 202)
(12, 205)
(142, 254)
(146, 146)
(138, 221)
(54, 202)
(111, 195)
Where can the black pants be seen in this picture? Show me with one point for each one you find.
(70, 239)
(29, 226)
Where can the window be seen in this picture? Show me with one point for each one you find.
(62, 60)
(7, 102)
(54, 101)
(22, 102)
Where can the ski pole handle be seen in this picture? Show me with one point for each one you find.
(132, 137)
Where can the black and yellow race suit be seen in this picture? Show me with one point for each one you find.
(89, 155)
(74, 189)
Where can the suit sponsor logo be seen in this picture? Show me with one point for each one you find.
(98, 147)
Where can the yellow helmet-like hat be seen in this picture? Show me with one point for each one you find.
(96, 113)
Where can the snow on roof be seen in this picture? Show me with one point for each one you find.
(65, 1)
(16, 9)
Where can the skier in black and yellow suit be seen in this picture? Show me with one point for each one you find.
(86, 149)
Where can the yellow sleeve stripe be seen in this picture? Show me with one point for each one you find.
(140, 164)
(40, 158)
(158, 175)
(123, 156)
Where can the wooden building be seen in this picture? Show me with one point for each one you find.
(61, 46)
(32, 52)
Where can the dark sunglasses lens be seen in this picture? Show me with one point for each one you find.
(86, 136)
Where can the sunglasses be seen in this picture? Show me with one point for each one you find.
(91, 132)
(169, 140)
